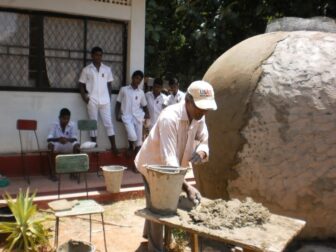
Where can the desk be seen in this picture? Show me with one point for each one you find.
(271, 237)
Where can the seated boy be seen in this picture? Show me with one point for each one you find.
(62, 137)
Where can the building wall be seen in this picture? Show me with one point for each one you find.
(44, 106)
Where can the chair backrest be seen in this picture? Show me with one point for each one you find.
(86, 125)
(22, 124)
(71, 163)
(27, 125)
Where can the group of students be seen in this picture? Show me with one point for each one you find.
(133, 108)
(178, 135)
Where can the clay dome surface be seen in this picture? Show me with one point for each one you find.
(273, 137)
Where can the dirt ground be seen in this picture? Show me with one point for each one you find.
(123, 229)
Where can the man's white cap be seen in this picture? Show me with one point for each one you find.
(203, 94)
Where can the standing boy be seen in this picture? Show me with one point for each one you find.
(95, 88)
(176, 95)
(156, 102)
(131, 109)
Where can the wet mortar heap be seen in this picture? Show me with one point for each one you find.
(221, 214)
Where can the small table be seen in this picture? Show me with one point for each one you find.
(84, 207)
(271, 237)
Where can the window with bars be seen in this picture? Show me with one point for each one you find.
(46, 52)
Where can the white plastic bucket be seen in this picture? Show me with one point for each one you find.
(165, 185)
(113, 176)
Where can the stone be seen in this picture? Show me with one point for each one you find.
(323, 24)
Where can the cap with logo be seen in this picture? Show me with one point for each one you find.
(203, 95)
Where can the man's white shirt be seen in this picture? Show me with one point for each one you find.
(172, 139)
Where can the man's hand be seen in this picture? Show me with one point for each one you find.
(87, 99)
(198, 157)
(194, 195)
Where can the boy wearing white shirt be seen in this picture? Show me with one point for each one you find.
(131, 109)
(95, 88)
(62, 136)
(176, 95)
(156, 101)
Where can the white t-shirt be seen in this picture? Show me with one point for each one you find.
(132, 100)
(96, 83)
(177, 98)
(155, 106)
(172, 139)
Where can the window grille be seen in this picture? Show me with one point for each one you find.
(120, 2)
(47, 52)
(14, 49)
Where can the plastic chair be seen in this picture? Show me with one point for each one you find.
(76, 163)
(87, 126)
(30, 125)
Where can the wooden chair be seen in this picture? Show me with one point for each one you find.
(30, 126)
(76, 163)
(87, 126)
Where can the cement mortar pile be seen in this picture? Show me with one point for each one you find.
(220, 214)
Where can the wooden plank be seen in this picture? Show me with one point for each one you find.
(194, 243)
(271, 237)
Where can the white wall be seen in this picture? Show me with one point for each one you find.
(136, 37)
(44, 107)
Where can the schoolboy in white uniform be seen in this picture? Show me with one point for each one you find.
(156, 101)
(95, 88)
(176, 95)
(131, 109)
(62, 137)
(171, 142)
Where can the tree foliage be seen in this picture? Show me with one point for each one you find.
(183, 37)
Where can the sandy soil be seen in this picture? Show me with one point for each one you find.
(123, 228)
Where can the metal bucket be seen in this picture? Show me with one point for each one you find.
(113, 176)
(76, 246)
(165, 185)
